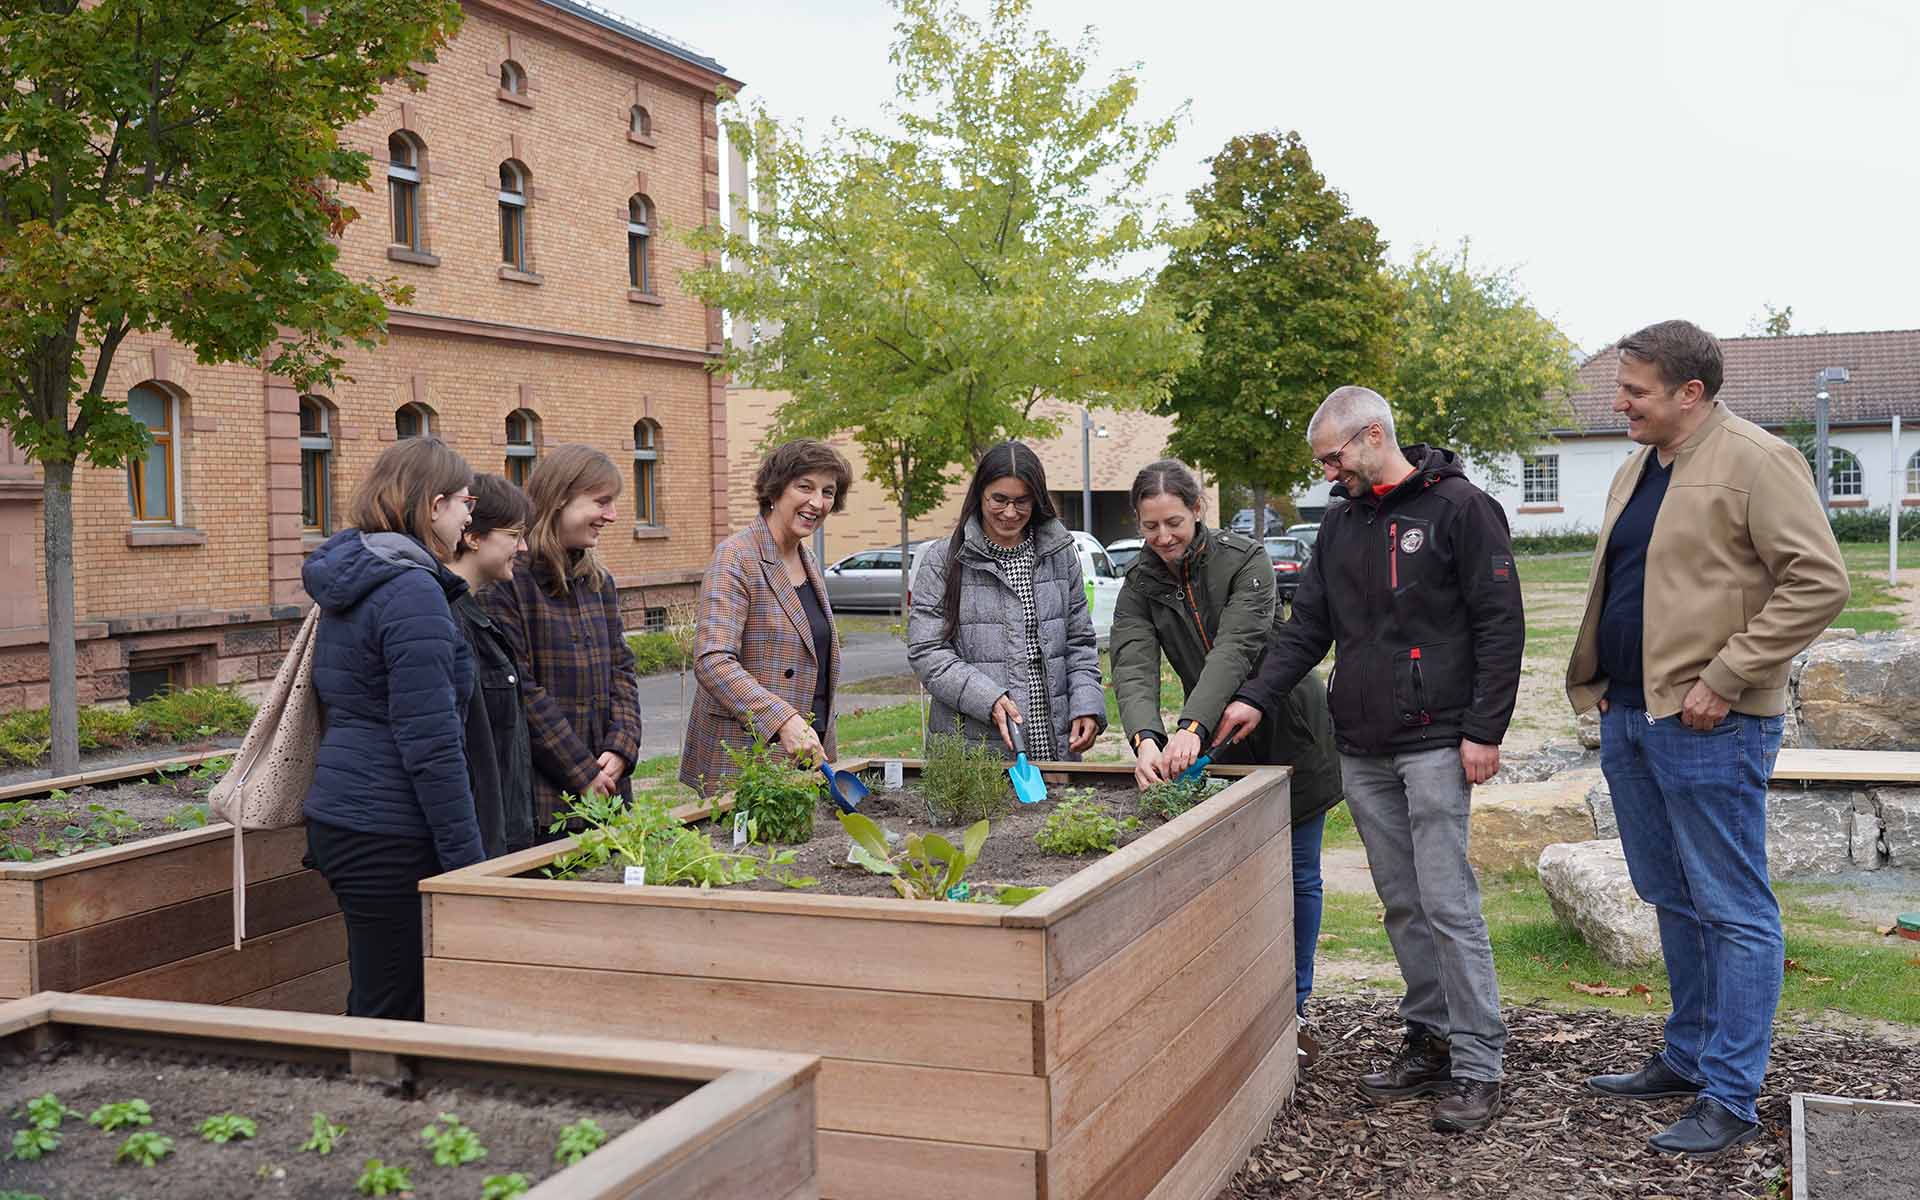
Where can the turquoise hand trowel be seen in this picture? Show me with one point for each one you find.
(1028, 787)
(1199, 765)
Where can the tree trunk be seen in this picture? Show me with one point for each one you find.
(1259, 511)
(906, 577)
(63, 683)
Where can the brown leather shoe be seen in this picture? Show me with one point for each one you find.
(1471, 1105)
(1310, 1048)
(1423, 1066)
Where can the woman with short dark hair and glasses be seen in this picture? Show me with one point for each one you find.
(999, 631)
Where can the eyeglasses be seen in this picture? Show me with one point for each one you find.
(1007, 504)
(1333, 457)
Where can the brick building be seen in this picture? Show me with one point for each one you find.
(524, 195)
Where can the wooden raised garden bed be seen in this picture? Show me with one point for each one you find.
(682, 1122)
(1127, 1033)
(154, 919)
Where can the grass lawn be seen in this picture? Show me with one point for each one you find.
(1835, 962)
(1873, 606)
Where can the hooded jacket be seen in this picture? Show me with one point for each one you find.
(987, 659)
(394, 675)
(1212, 617)
(1419, 592)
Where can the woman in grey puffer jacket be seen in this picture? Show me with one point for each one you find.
(1000, 630)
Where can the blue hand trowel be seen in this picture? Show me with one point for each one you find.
(846, 789)
(1028, 787)
(1199, 765)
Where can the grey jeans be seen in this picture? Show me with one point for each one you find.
(1411, 811)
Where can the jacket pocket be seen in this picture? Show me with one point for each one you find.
(1430, 682)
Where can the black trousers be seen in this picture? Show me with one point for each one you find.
(375, 878)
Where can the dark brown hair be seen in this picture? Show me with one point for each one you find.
(802, 457)
(497, 504)
(1680, 351)
(1167, 477)
(566, 472)
(1008, 460)
(397, 494)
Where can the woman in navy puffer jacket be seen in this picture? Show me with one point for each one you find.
(390, 803)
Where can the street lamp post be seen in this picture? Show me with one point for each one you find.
(1087, 433)
(1822, 453)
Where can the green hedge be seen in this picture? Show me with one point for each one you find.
(183, 716)
(1870, 525)
(654, 653)
(1569, 540)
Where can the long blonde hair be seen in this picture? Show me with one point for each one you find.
(566, 472)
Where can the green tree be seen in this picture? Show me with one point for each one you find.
(1288, 286)
(1772, 322)
(176, 165)
(1476, 369)
(927, 287)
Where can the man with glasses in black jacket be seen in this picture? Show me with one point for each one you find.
(1413, 580)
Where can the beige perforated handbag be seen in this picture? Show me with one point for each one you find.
(266, 788)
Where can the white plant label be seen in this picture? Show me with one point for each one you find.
(739, 829)
(635, 876)
(895, 775)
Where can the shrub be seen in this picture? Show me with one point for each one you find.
(1565, 540)
(778, 798)
(1870, 525)
(964, 781)
(189, 715)
(654, 653)
(1080, 825)
(199, 712)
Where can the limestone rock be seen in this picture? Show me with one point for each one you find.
(1899, 810)
(1857, 693)
(1600, 806)
(1589, 726)
(1512, 823)
(1810, 831)
(1590, 890)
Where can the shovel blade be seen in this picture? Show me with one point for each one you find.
(1028, 787)
(844, 788)
(1199, 765)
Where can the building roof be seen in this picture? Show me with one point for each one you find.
(626, 27)
(1769, 380)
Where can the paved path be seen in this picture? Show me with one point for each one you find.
(663, 722)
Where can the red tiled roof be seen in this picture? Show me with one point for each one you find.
(1769, 380)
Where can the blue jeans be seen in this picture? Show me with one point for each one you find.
(1693, 822)
(1308, 901)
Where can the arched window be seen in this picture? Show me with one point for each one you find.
(1913, 474)
(513, 78)
(513, 215)
(403, 189)
(640, 121)
(523, 432)
(639, 233)
(1844, 474)
(413, 420)
(150, 473)
(646, 472)
(316, 465)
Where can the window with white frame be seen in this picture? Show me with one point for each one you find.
(646, 472)
(522, 428)
(638, 236)
(1845, 479)
(151, 472)
(1540, 479)
(513, 78)
(403, 189)
(1913, 474)
(513, 215)
(413, 420)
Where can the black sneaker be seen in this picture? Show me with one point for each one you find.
(1655, 1081)
(1706, 1130)
(1471, 1105)
(1423, 1066)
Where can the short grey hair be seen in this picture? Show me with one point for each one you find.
(1353, 408)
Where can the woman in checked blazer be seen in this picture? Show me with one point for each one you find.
(767, 655)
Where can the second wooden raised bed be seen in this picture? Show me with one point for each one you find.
(154, 919)
(1128, 1033)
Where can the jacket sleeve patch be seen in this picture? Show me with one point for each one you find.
(1502, 568)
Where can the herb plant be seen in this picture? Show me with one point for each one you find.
(504, 1187)
(644, 832)
(928, 868)
(578, 1140)
(1169, 799)
(33, 1142)
(45, 1111)
(146, 1148)
(227, 1127)
(452, 1142)
(188, 816)
(325, 1134)
(964, 781)
(10, 1194)
(778, 798)
(1079, 824)
(120, 1113)
(379, 1179)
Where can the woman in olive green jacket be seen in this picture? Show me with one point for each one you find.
(1204, 598)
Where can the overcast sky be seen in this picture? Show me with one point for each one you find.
(1635, 160)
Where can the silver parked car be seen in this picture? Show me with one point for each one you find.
(868, 581)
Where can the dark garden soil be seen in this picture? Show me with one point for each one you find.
(1010, 856)
(1866, 1154)
(518, 1126)
(139, 808)
(1555, 1140)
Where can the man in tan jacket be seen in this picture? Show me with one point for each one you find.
(1716, 565)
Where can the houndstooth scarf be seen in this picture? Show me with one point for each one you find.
(1017, 562)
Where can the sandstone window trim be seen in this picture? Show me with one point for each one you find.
(413, 419)
(640, 126)
(514, 87)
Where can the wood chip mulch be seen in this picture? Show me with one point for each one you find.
(1555, 1141)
